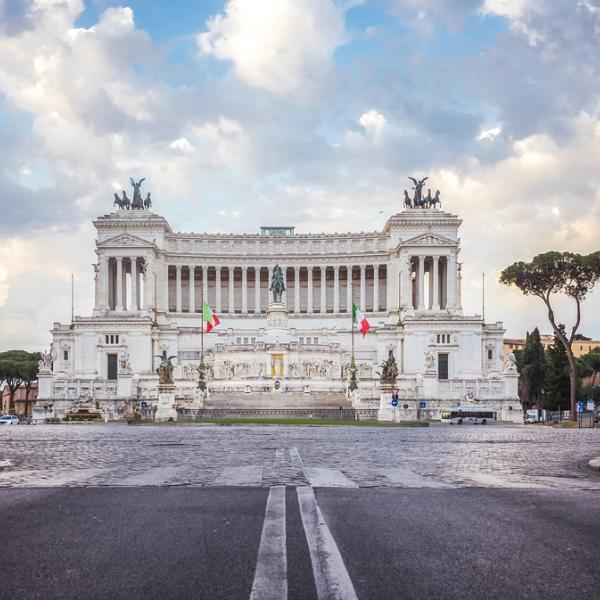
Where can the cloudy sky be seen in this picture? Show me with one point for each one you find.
(312, 110)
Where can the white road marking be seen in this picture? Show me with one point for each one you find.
(321, 477)
(248, 475)
(295, 456)
(406, 478)
(279, 456)
(270, 577)
(331, 577)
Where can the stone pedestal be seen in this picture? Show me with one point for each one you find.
(124, 385)
(430, 386)
(277, 316)
(165, 407)
(45, 385)
(386, 410)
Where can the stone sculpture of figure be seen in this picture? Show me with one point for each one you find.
(165, 369)
(429, 362)
(389, 369)
(418, 187)
(436, 199)
(125, 202)
(407, 200)
(510, 363)
(148, 201)
(428, 199)
(46, 359)
(124, 361)
(137, 202)
(277, 284)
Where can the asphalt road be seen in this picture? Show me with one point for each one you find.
(219, 542)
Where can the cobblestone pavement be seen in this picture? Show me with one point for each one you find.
(438, 456)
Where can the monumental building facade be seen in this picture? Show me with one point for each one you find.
(151, 282)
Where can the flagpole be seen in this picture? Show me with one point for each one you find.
(201, 368)
(353, 385)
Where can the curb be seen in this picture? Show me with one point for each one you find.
(594, 464)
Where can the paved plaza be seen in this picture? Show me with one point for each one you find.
(207, 455)
(271, 512)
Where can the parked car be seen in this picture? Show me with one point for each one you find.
(9, 420)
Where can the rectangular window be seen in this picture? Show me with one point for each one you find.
(490, 354)
(301, 340)
(438, 338)
(442, 366)
(111, 366)
(65, 355)
(106, 338)
(316, 340)
(238, 341)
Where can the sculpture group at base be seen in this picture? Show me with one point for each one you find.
(418, 200)
(124, 203)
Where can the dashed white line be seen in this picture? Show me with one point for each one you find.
(295, 456)
(270, 577)
(331, 577)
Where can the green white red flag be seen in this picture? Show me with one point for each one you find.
(209, 317)
(359, 317)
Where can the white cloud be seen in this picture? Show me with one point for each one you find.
(490, 134)
(373, 121)
(284, 47)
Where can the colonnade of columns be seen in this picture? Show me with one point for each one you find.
(310, 289)
(430, 282)
(122, 284)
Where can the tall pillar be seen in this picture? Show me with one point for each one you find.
(244, 290)
(134, 284)
(256, 290)
(296, 289)
(375, 288)
(103, 302)
(178, 288)
(421, 283)
(436, 283)
(119, 278)
(323, 289)
(363, 287)
(309, 303)
(204, 286)
(231, 290)
(459, 287)
(349, 301)
(124, 286)
(393, 287)
(192, 290)
(451, 278)
(269, 279)
(148, 271)
(218, 303)
(336, 289)
(407, 287)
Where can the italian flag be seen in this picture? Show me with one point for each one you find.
(359, 317)
(209, 317)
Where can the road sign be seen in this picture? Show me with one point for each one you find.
(591, 405)
(144, 404)
(406, 406)
(422, 404)
(581, 406)
(395, 402)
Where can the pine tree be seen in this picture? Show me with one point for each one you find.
(534, 368)
(557, 388)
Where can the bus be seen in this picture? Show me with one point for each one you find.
(472, 415)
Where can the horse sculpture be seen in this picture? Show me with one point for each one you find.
(418, 187)
(123, 203)
(277, 284)
(407, 200)
(435, 200)
(147, 201)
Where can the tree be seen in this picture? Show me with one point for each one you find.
(552, 273)
(591, 360)
(558, 380)
(534, 368)
(16, 368)
(29, 373)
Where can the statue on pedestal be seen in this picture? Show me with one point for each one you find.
(277, 284)
(165, 369)
(389, 370)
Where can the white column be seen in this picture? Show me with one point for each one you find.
(436, 283)
(119, 278)
(451, 278)
(269, 278)
(103, 282)
(323, 289)
(375, 288)
(256, 290)
(393, 284)
(244, 290)
(459, 288)
(363, 287)
(231, 292)
(309, 303)
(421, 282)
(407, 290)
(192, 290)
(336, 289)
(124, 287)
(349, 270)
(178, 288)
(149, 300)
(296, 289)
(219, 306)
(204, 285)
(134, 284)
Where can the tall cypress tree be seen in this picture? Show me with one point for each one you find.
(557, 388)
(534, 368)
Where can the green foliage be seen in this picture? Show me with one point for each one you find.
(558, 379)
(18, 367)
(533, 369)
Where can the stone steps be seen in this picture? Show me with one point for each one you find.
(282, 400)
